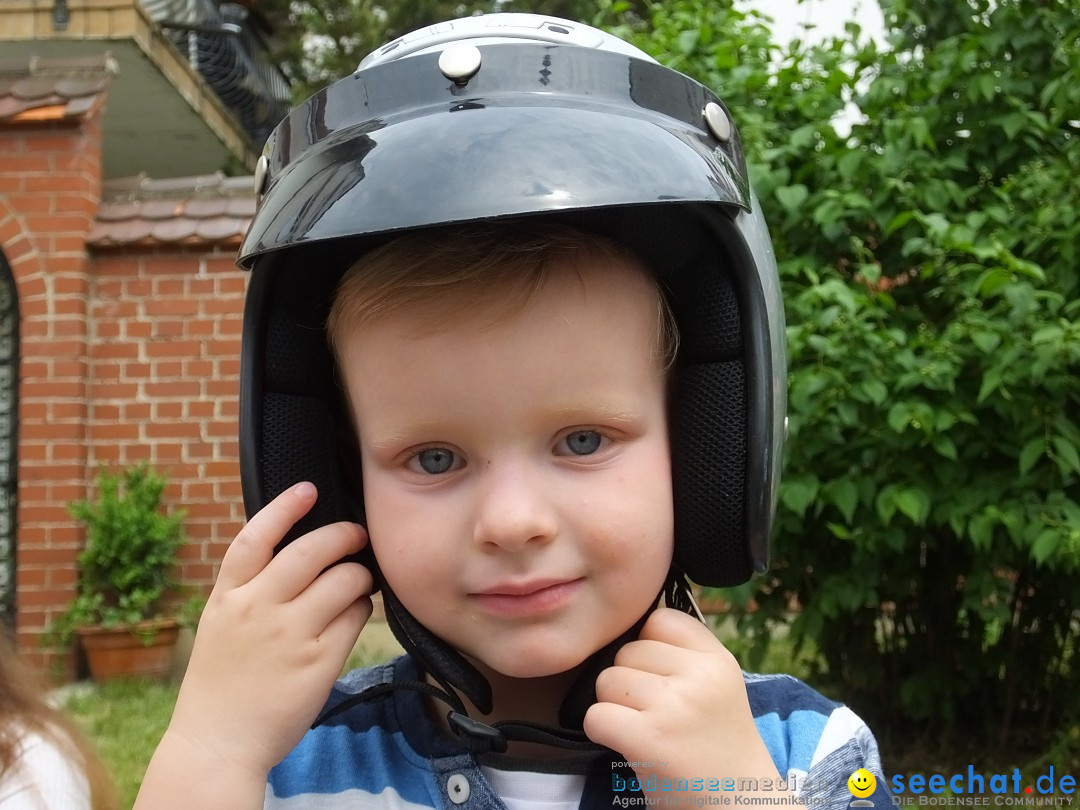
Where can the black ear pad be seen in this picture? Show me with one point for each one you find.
(708, 449)
(708, 420)
(300, 427)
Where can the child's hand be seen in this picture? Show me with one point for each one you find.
(676, 696)
(273, 638)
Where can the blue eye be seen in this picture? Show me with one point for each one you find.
(435, 460)
(583, 442)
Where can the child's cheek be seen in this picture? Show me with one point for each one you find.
(637, 557)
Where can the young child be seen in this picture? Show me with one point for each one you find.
(514, 326)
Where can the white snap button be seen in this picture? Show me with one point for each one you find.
(459, 62)
(262, 168)
(459, 789)
(718, 122)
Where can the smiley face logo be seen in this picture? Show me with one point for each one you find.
(861, 783)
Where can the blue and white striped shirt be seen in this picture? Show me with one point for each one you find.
(387, 753)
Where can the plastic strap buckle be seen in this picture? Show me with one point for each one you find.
(478, 737)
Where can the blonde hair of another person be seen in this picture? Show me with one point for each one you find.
(27, 719)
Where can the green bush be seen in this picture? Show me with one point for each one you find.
(929, 526)
(126, 568)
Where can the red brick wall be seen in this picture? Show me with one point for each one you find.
(164, 376)
(124, 357)
(49, 190)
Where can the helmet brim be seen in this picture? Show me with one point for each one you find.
(597, 130)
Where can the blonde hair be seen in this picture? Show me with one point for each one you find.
(24, 709)
(465, 269)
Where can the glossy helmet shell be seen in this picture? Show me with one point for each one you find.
(507, 116)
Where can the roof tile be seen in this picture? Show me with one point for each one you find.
(34, 88)
(221, 228)
(203, 207)
(161, 209)
(204, 210)
(79, 87)
(174, 230)
(37, 89)
(243, 207)
(113, 211)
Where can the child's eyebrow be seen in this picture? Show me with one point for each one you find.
(614, 412)
(609, 413)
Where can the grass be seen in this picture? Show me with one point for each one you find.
(126, 720)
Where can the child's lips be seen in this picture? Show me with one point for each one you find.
(524, 598)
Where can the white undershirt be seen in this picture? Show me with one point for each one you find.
(43, 778)
(529, 790)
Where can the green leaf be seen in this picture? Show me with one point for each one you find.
(981, 530)
(885, 504)
(798, 494)
(1049, 90)
(991, 281)
(1048, 334)
(1031, 453)
(898, 222)
(990, 383)
(1065, 454)
(899, 417)
(828, 212)
(1045, 545)
(986, 342)
(915, 503)
(943, 420)
(839, 530)
(849, 163)
(1012, 124)
(688, 41)
(845, 495)
(936, 224)
(874, 390)
(805, 388)
(792, 197)
(920, 132)
(944, 446)
(870, 271)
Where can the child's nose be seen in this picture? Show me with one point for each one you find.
(512, 509)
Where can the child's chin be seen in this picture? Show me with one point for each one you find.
(529, 667)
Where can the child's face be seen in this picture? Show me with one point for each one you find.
(516, 476)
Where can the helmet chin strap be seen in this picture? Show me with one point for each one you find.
(457, 676)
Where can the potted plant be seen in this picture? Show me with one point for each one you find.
(125, 577)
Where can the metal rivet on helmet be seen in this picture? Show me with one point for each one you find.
(262, 172)
(717, 120)
(460, 62)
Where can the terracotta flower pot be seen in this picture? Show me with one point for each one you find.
(144, 649)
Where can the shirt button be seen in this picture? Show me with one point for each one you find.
(458, 788)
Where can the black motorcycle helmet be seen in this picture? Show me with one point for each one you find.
(518, 115)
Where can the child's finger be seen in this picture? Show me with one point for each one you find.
(658, 657)
(343, 630)
(298, 565)
(632, 688)
(331, 593)
(612, 725)
(679, 629)
(252, 549)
